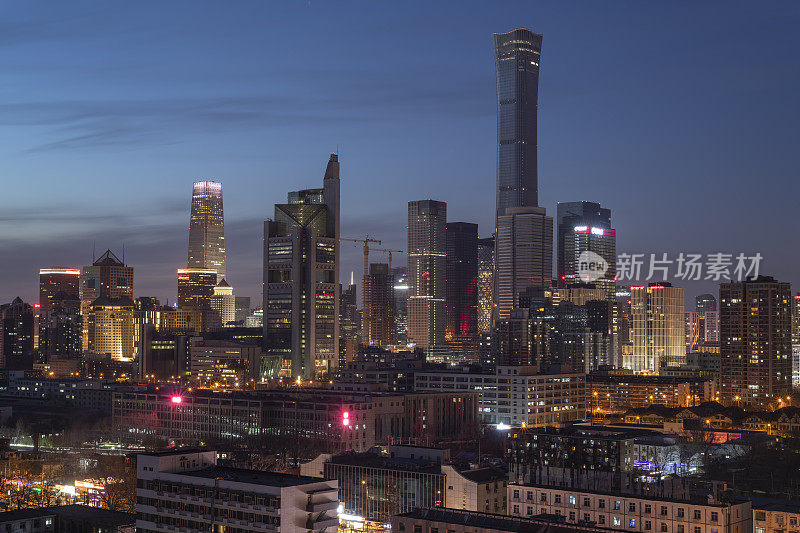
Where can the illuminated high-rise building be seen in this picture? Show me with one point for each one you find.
(16, 335)
(195, 290)
(461, 290)
(523, 257)
(401, 291)
(196, 287)
(485, 284)
(223, 304)
(377, 314)
(349, 322)
(570, 215)
(659, 335)
(207, 228)
(56, 280)
(301, 279)
(796, 340)
(517, 55)
(61, 328)
(111, 327)
(708, 318)
(582, 245)
(756, 342)
(106, 277)
(426, 271)
(704, 303)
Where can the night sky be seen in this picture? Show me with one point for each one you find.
(682, 117)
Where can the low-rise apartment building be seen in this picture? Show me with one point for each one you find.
(631, 513)
(459, 521)
(778, 517)
(186, 490)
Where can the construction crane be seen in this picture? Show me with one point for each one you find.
(390, 255)
(366, 240)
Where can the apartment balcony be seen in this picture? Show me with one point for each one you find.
(322, 506)
(322, 522)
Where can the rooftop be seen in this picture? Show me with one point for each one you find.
(484, 475)
(480, 521)
(254, 477)
(95, 515)
(373, 460)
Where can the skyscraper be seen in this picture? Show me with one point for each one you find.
(579, 246)
(242, 304)
(207, 228)
(301, 279)
(704, 303)
(796, 340)
(16, 335)
(517, 56)
(107, 277)
(223, 304)
(708, 318)
(461, 290)
(111, 327)
(524, 255)
(377, 315)
(568, 216)
(755, 342)
(196, 287)
(401, 291)
(56, 280)
(426, 272)
(61, 328)
(485, 284)
(349, 323)
(659, 334)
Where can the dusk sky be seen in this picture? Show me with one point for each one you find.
(681, 117)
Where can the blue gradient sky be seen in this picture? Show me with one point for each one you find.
(682, 117)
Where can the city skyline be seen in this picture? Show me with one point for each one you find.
(102, 138)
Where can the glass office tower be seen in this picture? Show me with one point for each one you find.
(517, 69)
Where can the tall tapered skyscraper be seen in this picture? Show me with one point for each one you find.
(517, 69)
(207, 228)
(524, 243)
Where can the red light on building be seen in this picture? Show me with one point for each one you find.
(37, 306)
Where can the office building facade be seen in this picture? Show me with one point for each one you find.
(584, 248)
(223, 304)
(207, 228)
(56, 280)
(106, 277)
(485, 284)
(16, 335)
(524, 255)
(301, 279)
(658, 328)
(570, 215)
(378, 326)
(517, 54)
(426, 269)
(461, 290)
